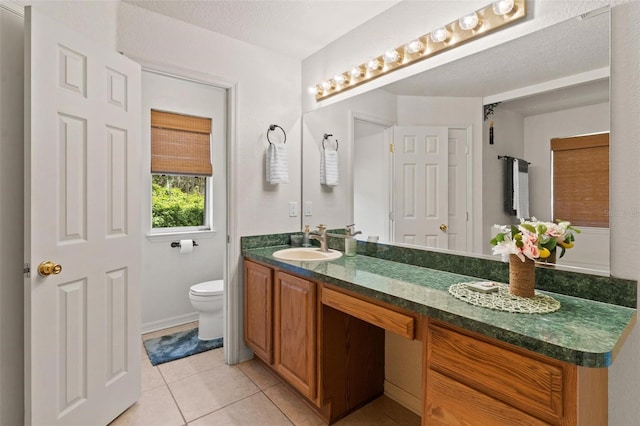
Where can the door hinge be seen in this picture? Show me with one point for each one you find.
(26, 270)
(228, 239)
(391, 148)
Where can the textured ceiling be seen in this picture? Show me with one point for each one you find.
(299, 28)
(295, 28)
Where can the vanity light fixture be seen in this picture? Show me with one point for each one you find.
(440, 35)
(469, 22)
(328, 85)
(373, 65)
(356, 72)
(391, 56)
(414, 46)
(469, 27)
(340, 79)
(503, 7)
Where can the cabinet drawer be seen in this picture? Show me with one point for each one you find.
(444, 406)
(530, 383)
(390, 320)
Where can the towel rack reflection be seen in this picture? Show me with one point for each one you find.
(326, 138)
(273, 127)
(506, 157)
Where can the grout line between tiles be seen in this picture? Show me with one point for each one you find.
(220, 408)
(279, 409)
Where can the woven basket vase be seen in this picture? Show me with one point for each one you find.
(522, 276)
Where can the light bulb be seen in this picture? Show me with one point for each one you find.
(391, 56)
(373, 64)
(469, 21)
(340, 79)
(356, 72)
(327, 85)
(313, 90)
(502, 7)
(414, 46)
(439, 35)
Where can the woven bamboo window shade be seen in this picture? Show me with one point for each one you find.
(581, 179)
(180, 144)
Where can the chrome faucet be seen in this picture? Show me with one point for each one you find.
(320, 235)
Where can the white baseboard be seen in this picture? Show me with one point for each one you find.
(169, 322)
(404, 398)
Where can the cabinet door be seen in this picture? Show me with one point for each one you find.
(295, 332)
(258, 310)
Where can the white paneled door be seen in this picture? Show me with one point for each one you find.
(421, 175)
(82, 192)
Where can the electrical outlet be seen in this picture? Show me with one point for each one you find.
(307, 208)
(293, 209)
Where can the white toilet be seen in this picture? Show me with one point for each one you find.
(206, 298)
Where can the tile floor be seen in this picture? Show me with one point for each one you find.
(201, 390)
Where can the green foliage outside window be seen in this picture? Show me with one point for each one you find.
(177, 201)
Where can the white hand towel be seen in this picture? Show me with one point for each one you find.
(520, 191)
(329, 168)
(277, 165)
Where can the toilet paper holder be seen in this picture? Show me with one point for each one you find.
(175, 244)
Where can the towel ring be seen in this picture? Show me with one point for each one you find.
(326, 137)
(272, 127)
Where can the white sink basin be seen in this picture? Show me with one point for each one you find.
(307, 254)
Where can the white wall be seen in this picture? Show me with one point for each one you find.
(332, 206)
(624, 378)
(95, 19)
(11, 218)
(371, 179)
(167, 275)
(508, 131)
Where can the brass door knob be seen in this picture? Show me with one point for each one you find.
(48, 267)
(443, 227)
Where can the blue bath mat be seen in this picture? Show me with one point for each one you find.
(178, 345)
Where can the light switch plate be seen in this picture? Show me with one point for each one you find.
(293, 209)
(307, 208)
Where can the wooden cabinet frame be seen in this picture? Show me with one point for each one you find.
(258, 310)
(294, 325)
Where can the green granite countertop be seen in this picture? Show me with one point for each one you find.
(583, 332)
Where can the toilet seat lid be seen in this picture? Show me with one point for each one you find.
(208, 288)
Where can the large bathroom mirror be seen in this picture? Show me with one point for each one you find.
(510, 100)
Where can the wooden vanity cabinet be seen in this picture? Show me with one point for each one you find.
(258, 310)
(280, 324)
(471, 379)
(328, 344)
(294, 325)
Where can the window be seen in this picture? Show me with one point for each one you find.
(180, 167)
(581, 179)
